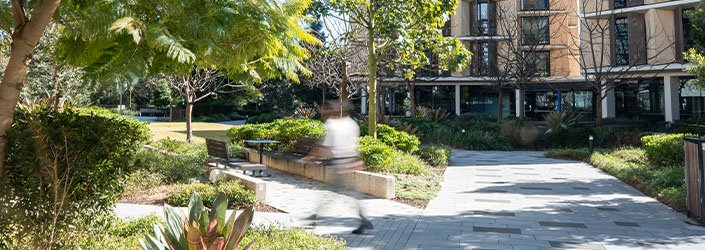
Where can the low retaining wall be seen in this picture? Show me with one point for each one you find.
(377, 185)
(258, 186)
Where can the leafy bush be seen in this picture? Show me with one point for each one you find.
(664, 150)
(397, 139)
(195, 151)
(403, 163)
(516, 134)
(88, 150)
(234, 116)
(235, 192)
(126, 111)
(173, 168)
(560, 120)
(285, 131)
(263, 118)
(141, 180)
(435, 155)
(275, 237)
(374, 153)
(111, 232)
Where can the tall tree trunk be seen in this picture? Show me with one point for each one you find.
(189, 129)
(521, 102)
(412, 99)
(597, 93)
(500, 96)
(372, 83)
(24, 38)
(57, 95)
(323, 100)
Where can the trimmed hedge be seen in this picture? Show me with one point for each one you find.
(380, 157)
(397, 139)
(664, 150)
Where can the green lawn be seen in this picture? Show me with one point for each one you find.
(177, 130)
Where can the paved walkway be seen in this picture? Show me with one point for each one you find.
(496, 200)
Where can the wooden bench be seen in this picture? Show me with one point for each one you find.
(304, 145)
(219, 153)
(153, 111)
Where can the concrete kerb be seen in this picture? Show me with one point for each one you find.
(377, 185)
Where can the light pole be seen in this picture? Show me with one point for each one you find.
(590, 143)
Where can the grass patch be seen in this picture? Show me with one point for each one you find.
(578, 154)
(283, 238)
(201, 130)
(418, 187)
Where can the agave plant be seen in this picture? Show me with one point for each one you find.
(305, 113)
(406, 127)
(203, 229)
(435, 115)
(560, 120)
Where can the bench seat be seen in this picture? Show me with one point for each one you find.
(219, 154)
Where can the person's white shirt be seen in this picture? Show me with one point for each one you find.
(342, 135)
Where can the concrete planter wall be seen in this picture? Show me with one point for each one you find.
(377, 185)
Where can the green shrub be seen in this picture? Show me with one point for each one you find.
(285, 131)
(141, 180)
(275, 237)
(263, 118)
(403, 163)
(236, 193)
(195, 151)
(397, 139)
(112, 232)
(173, 168)
(234, 116)
(89, 150)
(664, 150)
(435, 155)
(374, 153)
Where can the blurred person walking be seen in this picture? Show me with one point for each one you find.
(339, 151)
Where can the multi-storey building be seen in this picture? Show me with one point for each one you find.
(642, 49)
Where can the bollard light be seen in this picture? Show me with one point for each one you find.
(463, 131)
(590, 140)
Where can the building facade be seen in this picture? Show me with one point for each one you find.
(639, 43)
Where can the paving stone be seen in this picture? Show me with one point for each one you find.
(626, 224)
(492, 201)
(497, 230)
(574, 245)
(561, 224)
(494, 213)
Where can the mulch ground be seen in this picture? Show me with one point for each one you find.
(160, 194)
(420, 203)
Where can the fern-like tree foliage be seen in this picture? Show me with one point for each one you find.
(248, 40)
(696, 55)
(399, 33)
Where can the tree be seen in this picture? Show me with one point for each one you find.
(200, 84)
(408, 28)
(518, 57)
(248, 40)
(28, 24)
(601, 69)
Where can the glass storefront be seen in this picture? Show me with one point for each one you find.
(436, 97)
(640, 98)
(692, 98)
(484, 99)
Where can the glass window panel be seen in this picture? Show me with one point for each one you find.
(538, 62)
(621, 29)
(534, 4)
(534, 30)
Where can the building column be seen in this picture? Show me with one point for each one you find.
(517, 99)
(608, 103)
(363, 101)
(672, 104)
(457, 99)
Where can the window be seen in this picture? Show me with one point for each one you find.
(538, 62)
(534, 4)
(485, 18)
(534, 30)
(619, 4)
(621, 39)
(486, 57)
(687, 39)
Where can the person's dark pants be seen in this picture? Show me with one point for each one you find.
(343, 183)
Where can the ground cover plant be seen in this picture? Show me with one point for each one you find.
(283, 130)
(656, 169)
(236, 193)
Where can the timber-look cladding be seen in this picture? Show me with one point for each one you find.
(692, 178)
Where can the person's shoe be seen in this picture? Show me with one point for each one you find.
(364, 226)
